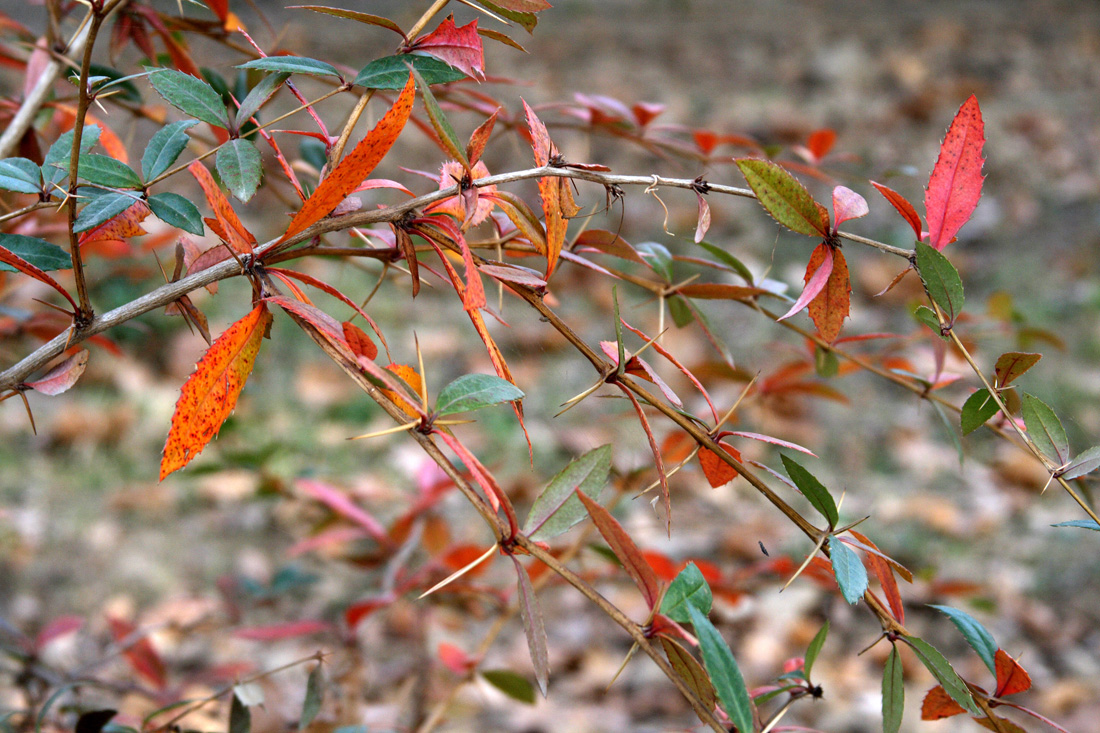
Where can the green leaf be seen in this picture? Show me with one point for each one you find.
(680, 312)
(688, 588)
(1012, 364)
(315, 693)
(826, 363)
(784, 198)
(976, 635)
(103, 170)
(1044, 428)
(240, 167)
(292, 65)
(723, 670)
(978, 408)
(1082, 523)
(526, 20)
(848, 569)
(440, 123)
(511, 684)
(927, 316)
(164, 147)
(944, 673)
(557, 508)
(812, 489)
(191, 96)
(657, 257)
(240, 718)
(941, 280)
(729, 260)
(173, 209)
(55, 166)
(38, 252)
(257, 96)
(20, 175)
(814, 649)
(474, 391)
(102, 208)
(893, 693)
(1085, 462)
(391, 72)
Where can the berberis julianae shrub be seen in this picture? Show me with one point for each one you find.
(80, 189)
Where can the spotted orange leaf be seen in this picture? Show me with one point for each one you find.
(829, 308)
(356, 165)
(550, 190)
(210, 394)
(225, 223)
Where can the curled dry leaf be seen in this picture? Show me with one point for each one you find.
(63, 376)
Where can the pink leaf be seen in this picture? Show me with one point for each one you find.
(459, 47)
(338, 501)
(903, 206)
(847, 204)
(956, 182)
(59, 627)
(770, 439)
(275, 632)
(63, 376)
(704, 219)
(814, 286)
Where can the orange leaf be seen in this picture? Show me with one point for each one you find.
(1011, 677)
(210, 394)
(10, 258)
(356, 165)
(410, 377)
(886, 579)
(359, 341)
(938, 704)
(634, 563)
(549, 190)
(830, 307)
(226, 224)
(717, 471)
(125, 225)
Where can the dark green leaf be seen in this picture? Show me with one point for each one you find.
(102, 208)
(164, 147)
(440, 123)
(1044, 428)
(1011, 365)
(812, 489)
(979, 639)
(104, 170)
(814, 649)
(657, 257)
(511, 684)
(391, 72)
(927, 316)
(38, 252)
(240, 718)
(729, 260)
(944, 673)
(191, 96)
(784, 198)
(112, 79)
(20, 175)
(826, 363)
(94, 721)
(1085, 462)
(557, 508)
(680, 312)
(941, 280)
(1082, 523)
(240, 167)
(722, 668)
(978, 408)
(171, 208)
(56, 164)
(474, 391)
(848, 569)
(258, 95)
(688, 588)
(292, 65)
(315, 693)
(893, 693)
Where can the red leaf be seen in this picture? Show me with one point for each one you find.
(359, 341)
(59, 627)
(140, 654)
(480, 138)
(275, 632)
(624, 548)
(226, 224)
(459, 47)
(830, 307)
(938, 704)
(903, 206)
(63, 376)
(210, 394)
(847, 204)
(454, 659)
(125, 225)
(1011, 677)
(816, 277)
(10, 258)
(820, 142)
(717, 471)
(956, 183)
(683, 370)
(339, 502)
(359, 610)
(355, 166)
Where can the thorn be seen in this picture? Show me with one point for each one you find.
(386, 431)
(458, 573)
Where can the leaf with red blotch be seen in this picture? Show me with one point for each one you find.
(63, 376)
(533, 627)
(549, 190)
(226, 224)
(625, 550)
(1011, 677)
(480, 138)
(847, 204)
(359, 341)
(338, 501)
(903, 206)
(938, 704)
(140, 653)
(717, 471)
(210, 394)
(456, 660)
(355, 166)
(956, 183)
(885, 574)
(816, 278)
(704, 218)
(275, 632)
(830, 307)
(10, 258)
(459, 47)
